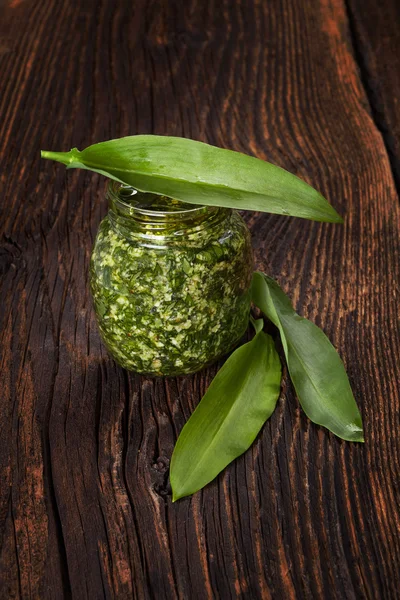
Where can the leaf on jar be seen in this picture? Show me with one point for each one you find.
(198, 173)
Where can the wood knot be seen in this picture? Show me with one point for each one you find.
(180, 39)
(191, 38)
(163, 489)
(161, 465)
(10, 254)
(161, 484)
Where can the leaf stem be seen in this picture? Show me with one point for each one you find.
(258, 324)
(66, 158)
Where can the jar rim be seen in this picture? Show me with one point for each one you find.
(128, 209)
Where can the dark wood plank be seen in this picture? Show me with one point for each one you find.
(375, 29)
(85, 506)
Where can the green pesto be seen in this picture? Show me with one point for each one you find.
(170, 282)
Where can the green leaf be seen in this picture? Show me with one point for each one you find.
(315, 368)
(198, 173)
(239, 400)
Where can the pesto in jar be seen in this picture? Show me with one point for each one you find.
(170, 282)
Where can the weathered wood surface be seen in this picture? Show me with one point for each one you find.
(375, 28)
(85, 507)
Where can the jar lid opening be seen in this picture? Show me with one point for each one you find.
(130, 202)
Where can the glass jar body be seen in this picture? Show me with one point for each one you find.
(171, 290)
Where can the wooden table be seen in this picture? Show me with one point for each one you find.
(85, 504)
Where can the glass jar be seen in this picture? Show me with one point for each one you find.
(170, 282)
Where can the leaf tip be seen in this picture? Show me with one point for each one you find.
(177, 495)
(334, 216)
(356, 435)
(328, 213)
(359, 429)
(179, 489)
(338, 219)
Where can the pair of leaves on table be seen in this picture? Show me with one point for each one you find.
(244, 393)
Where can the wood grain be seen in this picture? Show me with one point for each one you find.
(85, 504)
(376, 39)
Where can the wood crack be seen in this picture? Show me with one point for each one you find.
(373, 94)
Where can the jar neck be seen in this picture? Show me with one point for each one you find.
(134, 213)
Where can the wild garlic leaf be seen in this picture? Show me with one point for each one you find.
(239, 400)
(316, 370)
(198, 173)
